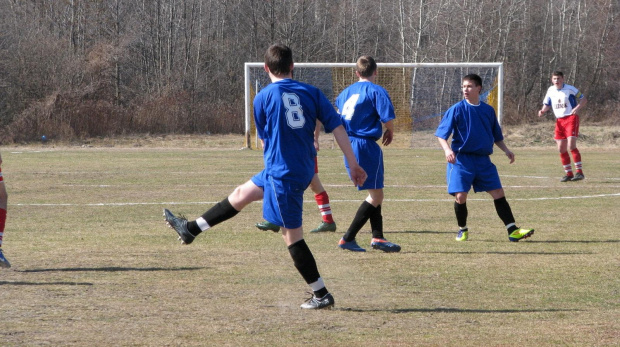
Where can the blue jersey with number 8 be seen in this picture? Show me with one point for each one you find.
(285, 113)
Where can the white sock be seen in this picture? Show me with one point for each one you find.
(318, 285)
(202, 224)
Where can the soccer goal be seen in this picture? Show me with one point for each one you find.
(421, 92)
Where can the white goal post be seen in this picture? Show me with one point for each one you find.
(420, 92)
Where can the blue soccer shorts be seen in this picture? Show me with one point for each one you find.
(370, 157)
(472, 170)
(282, 200)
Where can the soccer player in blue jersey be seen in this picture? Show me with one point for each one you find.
(474, 129)
(364, 107)
(566, 101)
(285, 113)
(320, 196)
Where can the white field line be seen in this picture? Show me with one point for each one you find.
(305, 201)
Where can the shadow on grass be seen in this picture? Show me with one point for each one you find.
(112, 269)
(417, 232)
(573, 241)
(23, 283)
(451, 310)
(545, 241)
(511, 253)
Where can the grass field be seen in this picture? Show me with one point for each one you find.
(95, 265)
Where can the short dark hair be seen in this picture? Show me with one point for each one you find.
(473, 78)
(557, 73)
(366, 66)
(279, 59)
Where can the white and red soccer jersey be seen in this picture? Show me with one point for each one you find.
(562, 101)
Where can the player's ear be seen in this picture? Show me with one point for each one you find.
(266, 68)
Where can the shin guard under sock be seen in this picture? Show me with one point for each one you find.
(505, 213)
(576, 159)
(376, 223)
(304, 261)
(361, 217)
(461, 214)
(222, 211)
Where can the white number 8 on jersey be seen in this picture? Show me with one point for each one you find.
(294, 112)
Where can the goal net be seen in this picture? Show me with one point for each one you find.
(421, 92)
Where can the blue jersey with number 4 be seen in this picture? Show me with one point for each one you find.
(285, 113)
(363, 106)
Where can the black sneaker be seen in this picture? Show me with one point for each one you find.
(567, 178)
(314, 303)
(264, 225)
(578, 177)
(179, 224)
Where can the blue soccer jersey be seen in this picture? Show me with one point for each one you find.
(563, 100)
(285, 113)
(364, 106)
(474, 128)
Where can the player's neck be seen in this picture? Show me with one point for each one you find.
(473, 102)
(276, 78)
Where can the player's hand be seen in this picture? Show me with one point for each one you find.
(358, 175)
(316, 144)
(541, 113)
(510, 156)
(388, 136)
(450, 157)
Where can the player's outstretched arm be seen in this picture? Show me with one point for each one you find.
(358, 175)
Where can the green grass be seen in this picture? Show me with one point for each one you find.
(94, 264)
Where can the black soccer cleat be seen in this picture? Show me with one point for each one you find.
(179, 224)
(578, 177)
(566, 178)
(314, 303)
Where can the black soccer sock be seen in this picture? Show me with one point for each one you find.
(361, 217)
(461, 214)
(222, 211)
(304, 262)
(505, 213)
(376, 223)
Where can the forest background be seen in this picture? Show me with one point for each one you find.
(90, 68)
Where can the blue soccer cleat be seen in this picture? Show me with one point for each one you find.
(350, 246)
(384, 245)
(3, 261)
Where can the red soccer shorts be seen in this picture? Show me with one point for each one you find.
(566, 127)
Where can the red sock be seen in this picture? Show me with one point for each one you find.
(2, 222)
(577, 159)
(565, 158)
(322, 200)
